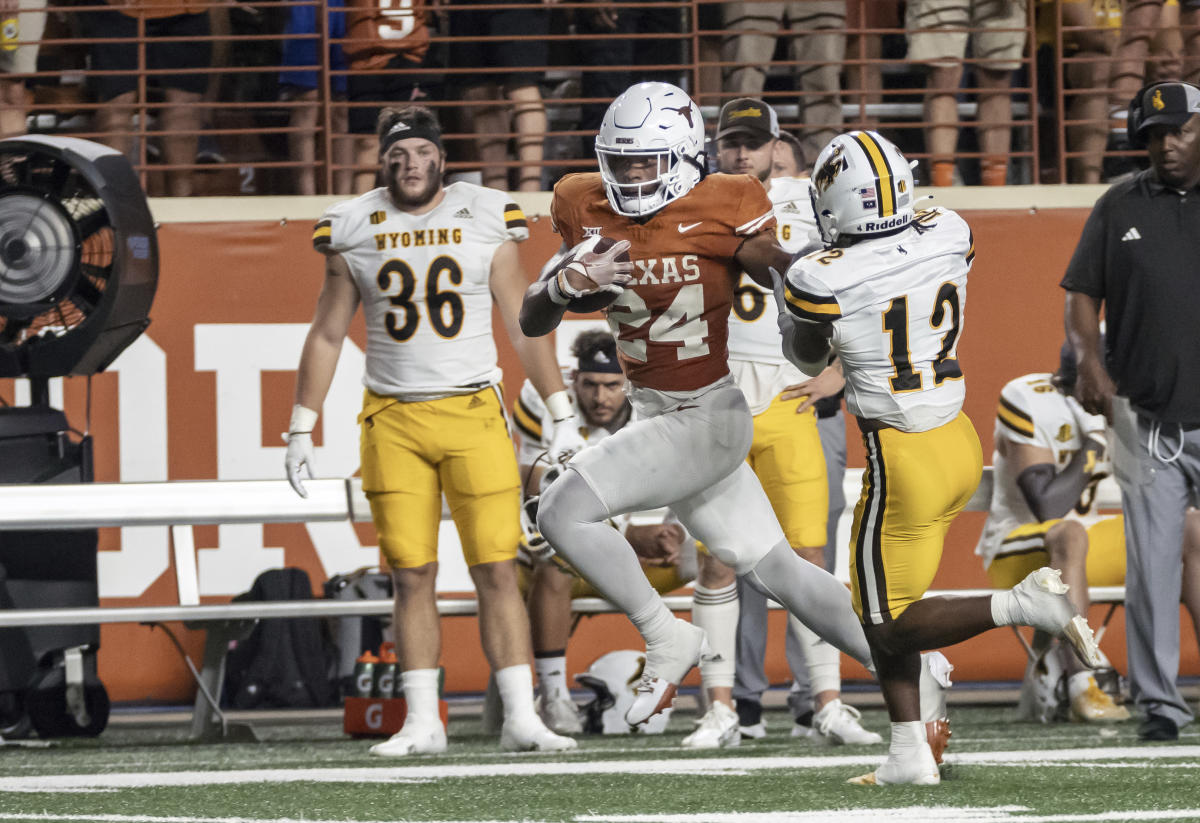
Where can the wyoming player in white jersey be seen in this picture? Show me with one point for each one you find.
(426, 263)
(1050, 455)
(787, 457)
(887, 296)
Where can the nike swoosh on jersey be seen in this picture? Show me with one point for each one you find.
(689, 226)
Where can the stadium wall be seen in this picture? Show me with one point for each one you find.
(206, 392)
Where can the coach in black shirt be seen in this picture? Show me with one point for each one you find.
(1139, 257)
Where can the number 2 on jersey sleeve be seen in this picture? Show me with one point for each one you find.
(682, 322)
(895, 323)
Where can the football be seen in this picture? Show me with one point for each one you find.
(591, 302)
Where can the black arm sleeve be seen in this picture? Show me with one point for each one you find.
(1051, 495)
(539, 314)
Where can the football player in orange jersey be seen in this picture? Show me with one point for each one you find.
(690, 237)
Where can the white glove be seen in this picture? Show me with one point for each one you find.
(299, 455)
(565, 440)
(299, 459)
(1090, 426)
(602, 269)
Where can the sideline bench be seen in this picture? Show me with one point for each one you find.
(181, 505)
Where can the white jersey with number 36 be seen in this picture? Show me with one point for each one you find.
(424, 284)
(896, 304)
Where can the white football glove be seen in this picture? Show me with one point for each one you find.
(565, 440)
(299, 457)
(601, 268)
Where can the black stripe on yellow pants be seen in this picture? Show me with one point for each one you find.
(868, 555)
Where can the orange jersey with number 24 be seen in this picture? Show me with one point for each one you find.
(672, 321)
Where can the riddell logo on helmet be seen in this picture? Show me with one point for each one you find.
(890, 223)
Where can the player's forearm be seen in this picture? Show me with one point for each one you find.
(540, 314)
(540, 364)
(805, 347)
(318, 361)
(1051, 494)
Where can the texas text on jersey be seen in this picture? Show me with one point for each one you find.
(899, 351)
(671, 322)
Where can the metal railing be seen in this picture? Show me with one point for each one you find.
(249, 131)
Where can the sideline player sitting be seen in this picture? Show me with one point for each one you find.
(667, 554)
(886, 296)
(690, 236)
(1048, 460)
(427, 261)
(786, 455)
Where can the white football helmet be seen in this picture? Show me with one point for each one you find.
(651, 122)
(861, 185)
(612, 677)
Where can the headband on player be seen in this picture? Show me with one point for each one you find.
(403, 131)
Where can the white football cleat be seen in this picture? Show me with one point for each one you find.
(755, 731)
(420, 737)
(1042, 599)
(839, 724)
(666, 666)
(916, 767)
(559, 713)
(531, 735)
(718, 729)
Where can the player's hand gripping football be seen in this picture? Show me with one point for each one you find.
(597, 271)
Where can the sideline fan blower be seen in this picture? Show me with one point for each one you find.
(78, 256)
(78, 272)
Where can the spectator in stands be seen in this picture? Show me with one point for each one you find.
(1095, 27)
(937, 38)
(305, 87)
(432, 416)
(21, 21)
(387, 45)
(667, 554)
(816, 36)
(1049, 457)
(1136, 243)
(787, 456)
(500, 77)
(864, 79)
(606, 42)
(1145, 25)
(117, 50)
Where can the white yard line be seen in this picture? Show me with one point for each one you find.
(151, 818)
(1125, 757)
(930, 814)
(926, 814)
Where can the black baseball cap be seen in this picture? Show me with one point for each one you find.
(747, 115)
(1169, 104)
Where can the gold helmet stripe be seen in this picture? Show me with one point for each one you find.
(882, 170)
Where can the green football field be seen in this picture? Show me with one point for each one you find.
(143, 770)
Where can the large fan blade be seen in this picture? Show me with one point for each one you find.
(92, 222)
